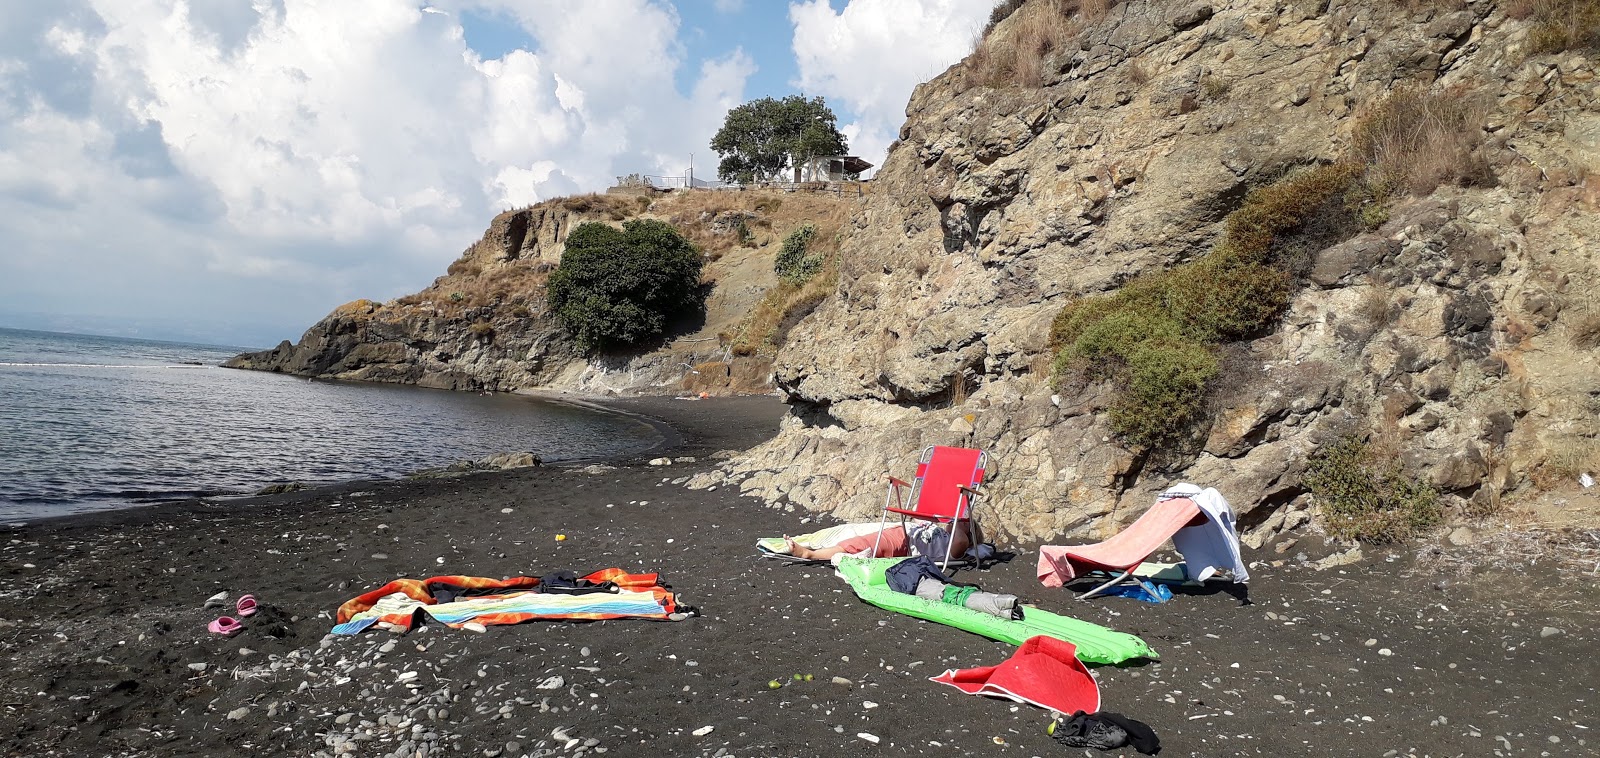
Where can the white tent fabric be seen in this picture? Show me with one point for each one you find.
(1212, 546)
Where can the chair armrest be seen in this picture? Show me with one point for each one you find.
(896, 482)
(970, 491)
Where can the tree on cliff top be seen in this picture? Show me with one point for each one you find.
(619, 287)
(763, 137)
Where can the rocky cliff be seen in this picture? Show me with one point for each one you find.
(1457, 323)
(485, 326)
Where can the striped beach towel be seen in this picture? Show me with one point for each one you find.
(505, 601)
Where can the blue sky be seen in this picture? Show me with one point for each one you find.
(231, 170)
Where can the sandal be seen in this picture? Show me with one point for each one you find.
(226, 626)
(246, 606)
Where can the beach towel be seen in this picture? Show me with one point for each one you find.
(1044, 671)
(456, 600)
(917, 539)
(1060, 564)
(774, 547)
(1214, 545)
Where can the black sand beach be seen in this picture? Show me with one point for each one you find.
(104, 637)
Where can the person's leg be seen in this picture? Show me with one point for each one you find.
(805, 553)
(893, 544)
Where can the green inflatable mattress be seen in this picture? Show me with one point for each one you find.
(1096, 644)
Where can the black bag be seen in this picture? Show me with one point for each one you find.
(904, 576)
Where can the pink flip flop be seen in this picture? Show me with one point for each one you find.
(226, 626)
(246, 605)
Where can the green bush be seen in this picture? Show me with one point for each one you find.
(619, 287)
(792, 264)
(1367, 498)
(1156, 339)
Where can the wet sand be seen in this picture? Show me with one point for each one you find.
(103, 636)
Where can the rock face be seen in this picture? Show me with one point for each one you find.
(485, 325)
(1454, 329)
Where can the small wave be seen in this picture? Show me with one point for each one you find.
(100, 365)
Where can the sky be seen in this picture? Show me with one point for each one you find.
(229, 171)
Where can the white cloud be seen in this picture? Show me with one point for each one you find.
(870, 55)
(276, 157)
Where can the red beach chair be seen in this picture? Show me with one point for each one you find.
(946, 483)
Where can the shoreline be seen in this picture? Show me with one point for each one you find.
(102, 626)
(641, 409)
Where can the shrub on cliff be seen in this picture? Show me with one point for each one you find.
(1365, 496)
(792, 264)
(619, 287)
(1156, 338)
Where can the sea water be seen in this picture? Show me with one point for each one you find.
(92, 423)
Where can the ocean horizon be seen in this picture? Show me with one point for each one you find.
(91, 423)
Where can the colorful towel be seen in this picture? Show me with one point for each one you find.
(505, 601)
(1044, 671)
(1061, 564)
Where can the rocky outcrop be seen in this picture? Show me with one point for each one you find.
(485, 326)
(1451, 330)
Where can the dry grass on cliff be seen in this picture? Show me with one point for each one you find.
(1015, 49)
(1414, 141)
(1559, 25)
(781, 309)
(1567, 458)
(770, 216)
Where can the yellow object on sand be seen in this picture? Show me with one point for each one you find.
(561, 538)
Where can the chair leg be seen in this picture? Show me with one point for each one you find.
(1108, 585)
(883, 519)
(949, 547)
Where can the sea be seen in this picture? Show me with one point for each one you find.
(94, 423)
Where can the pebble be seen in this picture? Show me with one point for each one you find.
(344, 718)
(380, 556)
(702, 731)
(553, 683)
(197, 667)
(508, 510)
(238, 713)
(583, 652)
(1549, 631)
(388, 647)
(1385, 651)
(843, 681)
(868, 736)
(1370, 643)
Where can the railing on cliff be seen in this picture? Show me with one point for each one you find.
(668, 183)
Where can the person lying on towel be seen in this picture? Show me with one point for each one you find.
(921, 538)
